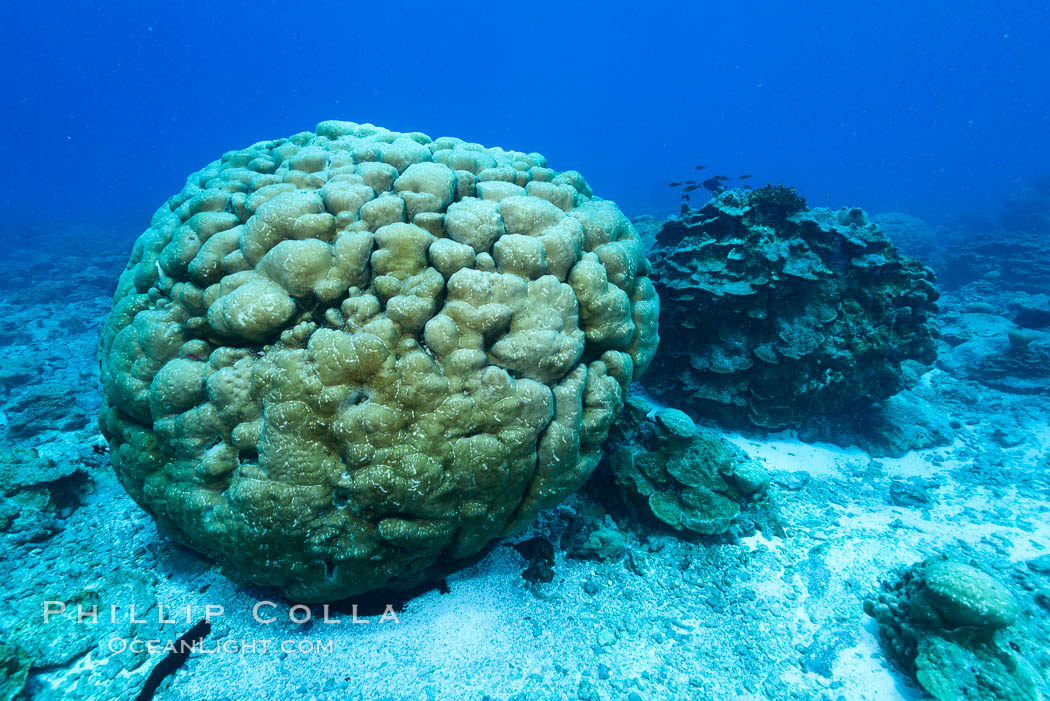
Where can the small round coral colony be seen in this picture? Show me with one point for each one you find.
(353, 358)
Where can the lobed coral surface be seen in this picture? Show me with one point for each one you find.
(351, 359)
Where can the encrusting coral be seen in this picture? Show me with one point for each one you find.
(772, 312)
(947, 624)
(689, 479)
(351, 359)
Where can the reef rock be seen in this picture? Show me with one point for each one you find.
(946, 624)
(351, 359)
(1013, 260)
(93, 667)
(1028, 209)
(689, 479)
(989, 349)
(912, 236)
(889, 428)
(14, 668)
(37, 493)
(1031, 311)
(772, 312)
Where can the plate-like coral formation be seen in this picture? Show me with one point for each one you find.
(772, 312)
(946, 624)
(687, 478)
(350, 359)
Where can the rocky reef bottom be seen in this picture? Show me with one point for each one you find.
(589, 603)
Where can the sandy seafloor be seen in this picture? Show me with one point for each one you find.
(763, 617)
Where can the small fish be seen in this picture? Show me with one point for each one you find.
(748, 187)
(690, 188)
(685, 197)
(700, 167)
(721, 178)
(674, 184)
(745, 177)
(713, 185)
(689, 182)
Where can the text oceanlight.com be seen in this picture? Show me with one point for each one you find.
(260, 646)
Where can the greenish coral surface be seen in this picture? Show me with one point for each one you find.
(772, 313)
(14, 668)
(36, 493)
(687, 478)
(947, 624)
(352, 358)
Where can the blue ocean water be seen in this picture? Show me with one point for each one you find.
(934, 108)
(832, 481)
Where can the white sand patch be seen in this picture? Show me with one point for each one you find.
(786, 452)
(866, 675)
(753, 542)
(922, 463)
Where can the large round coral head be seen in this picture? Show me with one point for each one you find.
(351, 359)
